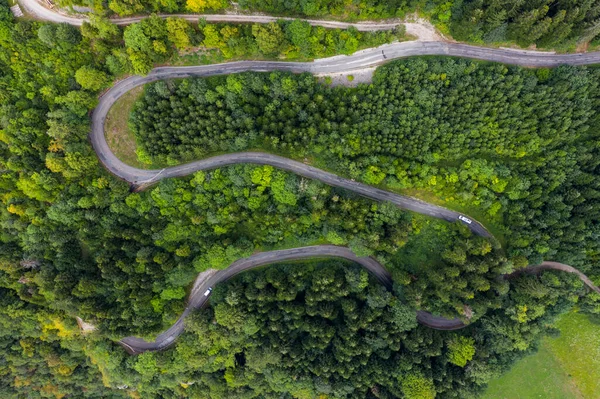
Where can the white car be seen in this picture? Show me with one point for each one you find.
(465, 219)
(208, 291)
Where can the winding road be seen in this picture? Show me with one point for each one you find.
(360, 60)
(37, 9)
(197, 299)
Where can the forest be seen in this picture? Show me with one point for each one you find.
(327, 330)
(322, 329)
(517, 143)
(545, 23)
(350, 10)
(76, 242)
(561, 24)
(154, 40)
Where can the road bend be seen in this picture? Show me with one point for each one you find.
(362, 59)
(359, 60)
(199, 297)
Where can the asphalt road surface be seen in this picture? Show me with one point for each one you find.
(37, 9)
(362, 59)
(548, 265)
(198, 299)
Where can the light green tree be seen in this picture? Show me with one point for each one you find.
(461, 350)
(269, 37)
(91, 78)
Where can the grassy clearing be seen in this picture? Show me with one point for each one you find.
(578, 350)
(120, 138)
(536, 376)
(566, 367)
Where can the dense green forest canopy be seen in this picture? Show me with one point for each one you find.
(154, 40)
(520, 144)
(327, 330)
(323, 329)
(74, 241)
(560, 24)
(74, 230)
(80, 242)
(545, 23)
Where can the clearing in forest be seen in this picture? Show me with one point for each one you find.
(565, 367)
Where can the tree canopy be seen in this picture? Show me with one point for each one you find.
(76, 242)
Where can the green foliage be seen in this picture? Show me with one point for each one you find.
(76, 242)
(289, 39)
(59, 35)
(299, 33)
(315, 329)
(203, 5)
(172, 293)
(416, 386)
(362, 10)
(90, 78)
(511, 158)
(403, 316)
(545, 23)
(269, 37)
(126, 7)
(461, 350)
(365, 9)
(179, 32)
(147, 43)
(145, 364)
(43, 354)
(46, 34)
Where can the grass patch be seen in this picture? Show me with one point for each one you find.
(536, 376)
(565, 367)
(120, 138)
(578, 351)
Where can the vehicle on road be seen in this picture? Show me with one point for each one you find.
(465, 219)
(208, 291)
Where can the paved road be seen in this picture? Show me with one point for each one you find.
(197, 299)
(362, 59)
(35, 8)
(507, 56)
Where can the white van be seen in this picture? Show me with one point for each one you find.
(465, 219)
(208, 291)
